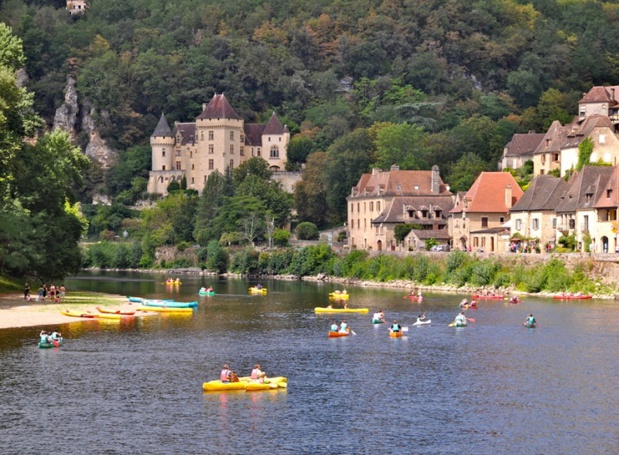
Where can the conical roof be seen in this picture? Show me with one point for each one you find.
(274, 126)
(162, 129)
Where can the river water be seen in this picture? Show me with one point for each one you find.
(494, 387)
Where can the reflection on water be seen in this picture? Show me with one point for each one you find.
(135, 385)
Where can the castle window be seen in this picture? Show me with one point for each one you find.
(231, 164)
(202, 134)
(193, 180)
(242, 151)
(193, 167)
(258, 151)
(178, 152)
(211, 148)
(378, 206)
(178, 165)
(484, 221)
(242, 137)
(163, 167)
(231, 135)
(280, 139)
(371, 206)
(190, 154)
(160, 179)
(163, 152)
(211, 165)
(352, 207)
(211, 135)
(556, 157)
(232, 150)
(274, 152)
(602, 139)
(609, 192)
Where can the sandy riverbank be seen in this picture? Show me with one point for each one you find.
(15, 312)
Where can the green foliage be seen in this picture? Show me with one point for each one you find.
(400, 144)
(217, 258)
(312, 260)
(430, 243)
(281, 237)
(245, 262)
(299, 148)
(568, 241)
(401, 230)
(116, 255)
(306, 231)
(585, 149)
(276, 262)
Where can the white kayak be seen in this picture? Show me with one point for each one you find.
(424, 322)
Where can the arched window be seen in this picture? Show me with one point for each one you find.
(274, 152)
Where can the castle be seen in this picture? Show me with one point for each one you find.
(217, 140)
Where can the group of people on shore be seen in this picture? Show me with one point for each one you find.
(56, 294)
(257, 375)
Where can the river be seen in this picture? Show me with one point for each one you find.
(135, 387)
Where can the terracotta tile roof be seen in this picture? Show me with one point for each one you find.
(397, 210)
(585, 188)
(554, 139)
(219, 108)
(187, 131)
(399, 183)
(544, 193)
(162, 129)
(523, 144)
(601, 94)
(487, 194)
(253, 134)
(609, 195)
(274, 126)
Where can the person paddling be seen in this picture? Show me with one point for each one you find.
(225, 373)
(421, 318)
(460, 320)
(530, 321)
(395, 327)
(344, 327)
(334, 327)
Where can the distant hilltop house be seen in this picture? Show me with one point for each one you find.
(76, 6)
(383, 199)
(219, 139)
(520, 149)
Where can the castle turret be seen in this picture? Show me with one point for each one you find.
(275, 139)
(162, 144)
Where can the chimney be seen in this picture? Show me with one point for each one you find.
(203, 106)
(376, 170)
(612, 92)
(435, 184)
(508, 196)
(395, 167)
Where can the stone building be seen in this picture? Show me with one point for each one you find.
(519, 150)
(77, 6)
(383, 199)
(219, 139)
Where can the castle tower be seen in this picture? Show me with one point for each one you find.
(162, 145)
(275, 139)
(220, 137)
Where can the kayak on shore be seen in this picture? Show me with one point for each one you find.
(119, 312)
(161, 309)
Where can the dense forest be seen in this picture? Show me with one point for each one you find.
(359, 83)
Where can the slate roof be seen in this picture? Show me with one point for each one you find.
(576, 136)
(274, 126)
(253, 133)
(398, 183)
(487, 195)
(591, 180)
(601, 94)
(397, 211)
(162, 129)
(554, 139)
(188, 132)
(523, 144)
(609, 194)
(544, 193)
(219, 108)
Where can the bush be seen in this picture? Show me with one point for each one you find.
(245, 262)
(217, 258)
(307, 231)
(281, 237)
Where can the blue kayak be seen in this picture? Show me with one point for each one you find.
(169, 304)
(141, 300)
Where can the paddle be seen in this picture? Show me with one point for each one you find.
(352, 331)
(55, 343)
(470, 319)
(452, 324)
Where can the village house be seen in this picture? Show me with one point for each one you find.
(478, 220)
(547, 155)
(76, 6)
(219, 139)
(606, 215)
(533, 217)
(577, 212)
(519, 150)
(383, 199)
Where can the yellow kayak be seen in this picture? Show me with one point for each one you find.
(319, 309)
(255, 290)
(278, 382)
(339, 296)
(160, 309)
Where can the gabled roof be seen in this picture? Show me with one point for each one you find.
(162, 129)
(219, 108)
(487, 194)
(577, 134)
(399, 183)
(585, 188)
(544, 193)
(274, 126)
(523, 144)
(187, 131)
(601, 94)
(253, 133)
(396, 212)
(554, 139)
(609, 194)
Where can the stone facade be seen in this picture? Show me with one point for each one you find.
(218, 140)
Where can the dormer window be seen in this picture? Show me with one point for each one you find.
(411, 213)
(588, 198)
(608, 193)
(398, 187)
(424, 214)
(437, 213)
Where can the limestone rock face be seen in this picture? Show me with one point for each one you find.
(97, 149)
(65, 118)
(22, 78)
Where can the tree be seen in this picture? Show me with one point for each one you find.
(311, 192)
(299, 148)
(465, 171)
(402, 145)
(255, 166)
(306, 231)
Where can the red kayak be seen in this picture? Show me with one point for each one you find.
(338, 334)
(572, 297)
(488, 297)
(412, 297)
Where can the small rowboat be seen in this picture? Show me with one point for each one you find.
(338, 334)
(206, 292)
(572, 297)
(396, 334)
(340, 310)
(424, 322)
(487, 297)
(51, 344)
(378, 321)
(255, 290)
(161, 309)
(119, 312)
(338, 296)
